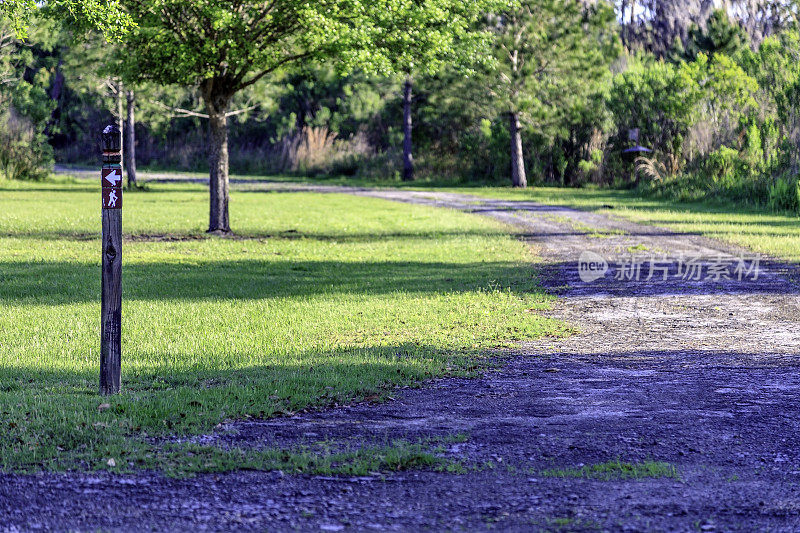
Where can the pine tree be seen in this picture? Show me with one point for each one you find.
(550, 54)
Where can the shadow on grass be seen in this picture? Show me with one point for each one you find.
(291, 378)
(50, 413)
(55, 283)
(65, 282)
(290, 234)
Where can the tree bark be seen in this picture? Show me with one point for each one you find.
(130, 140)
(518, 178)
(408, 158)
(218, 178)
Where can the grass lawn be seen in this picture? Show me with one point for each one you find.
(320, 300)
(760, 230)
(764, 232)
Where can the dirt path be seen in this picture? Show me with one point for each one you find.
(701, 374)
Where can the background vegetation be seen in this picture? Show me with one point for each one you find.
(713, 92)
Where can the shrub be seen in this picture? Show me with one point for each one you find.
(784, 195)
(723, 166)
(24, 154)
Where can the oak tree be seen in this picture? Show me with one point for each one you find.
(224, 46)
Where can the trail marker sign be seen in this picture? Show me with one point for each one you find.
(111, 177)
(112, 198)
(111, 277)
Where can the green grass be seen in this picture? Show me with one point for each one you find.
(764, 232)
(320, 300)
(615, 470)
(757, 229)
(185, 460)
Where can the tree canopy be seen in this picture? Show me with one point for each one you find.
(225, 46)
(104, 15)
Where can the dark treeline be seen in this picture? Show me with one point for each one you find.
(555, 96)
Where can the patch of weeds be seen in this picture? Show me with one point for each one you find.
(564, 523)
(616, 469)
(455, 467)
(455, 438)
(186, 460)
(638, 248)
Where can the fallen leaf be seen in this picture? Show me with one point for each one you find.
(103, 406)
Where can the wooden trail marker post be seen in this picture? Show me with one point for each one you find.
(111, 304)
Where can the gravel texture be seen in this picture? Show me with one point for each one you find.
(699, 373)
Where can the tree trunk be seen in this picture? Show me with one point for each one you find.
(623, 7)
(130, 140)
(408, 158)
(218, 179)
(518, 178)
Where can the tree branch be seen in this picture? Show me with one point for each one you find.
(240, 111)
(285, 60)
(180, 112)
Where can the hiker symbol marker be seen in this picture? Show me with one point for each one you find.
(112, 198)
(111, 180)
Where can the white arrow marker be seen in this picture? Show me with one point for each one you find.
(114, 177)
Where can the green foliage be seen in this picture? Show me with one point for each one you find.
(687, 112)
(551, 57)
(223, 47)
(720, 35)
(723, 166)
(660, 100)
(551, 66)
(334, 67)
(105, 15)
(25, 105)
(614, 470)
(24, 154)
(238, 44)
(784, 195)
